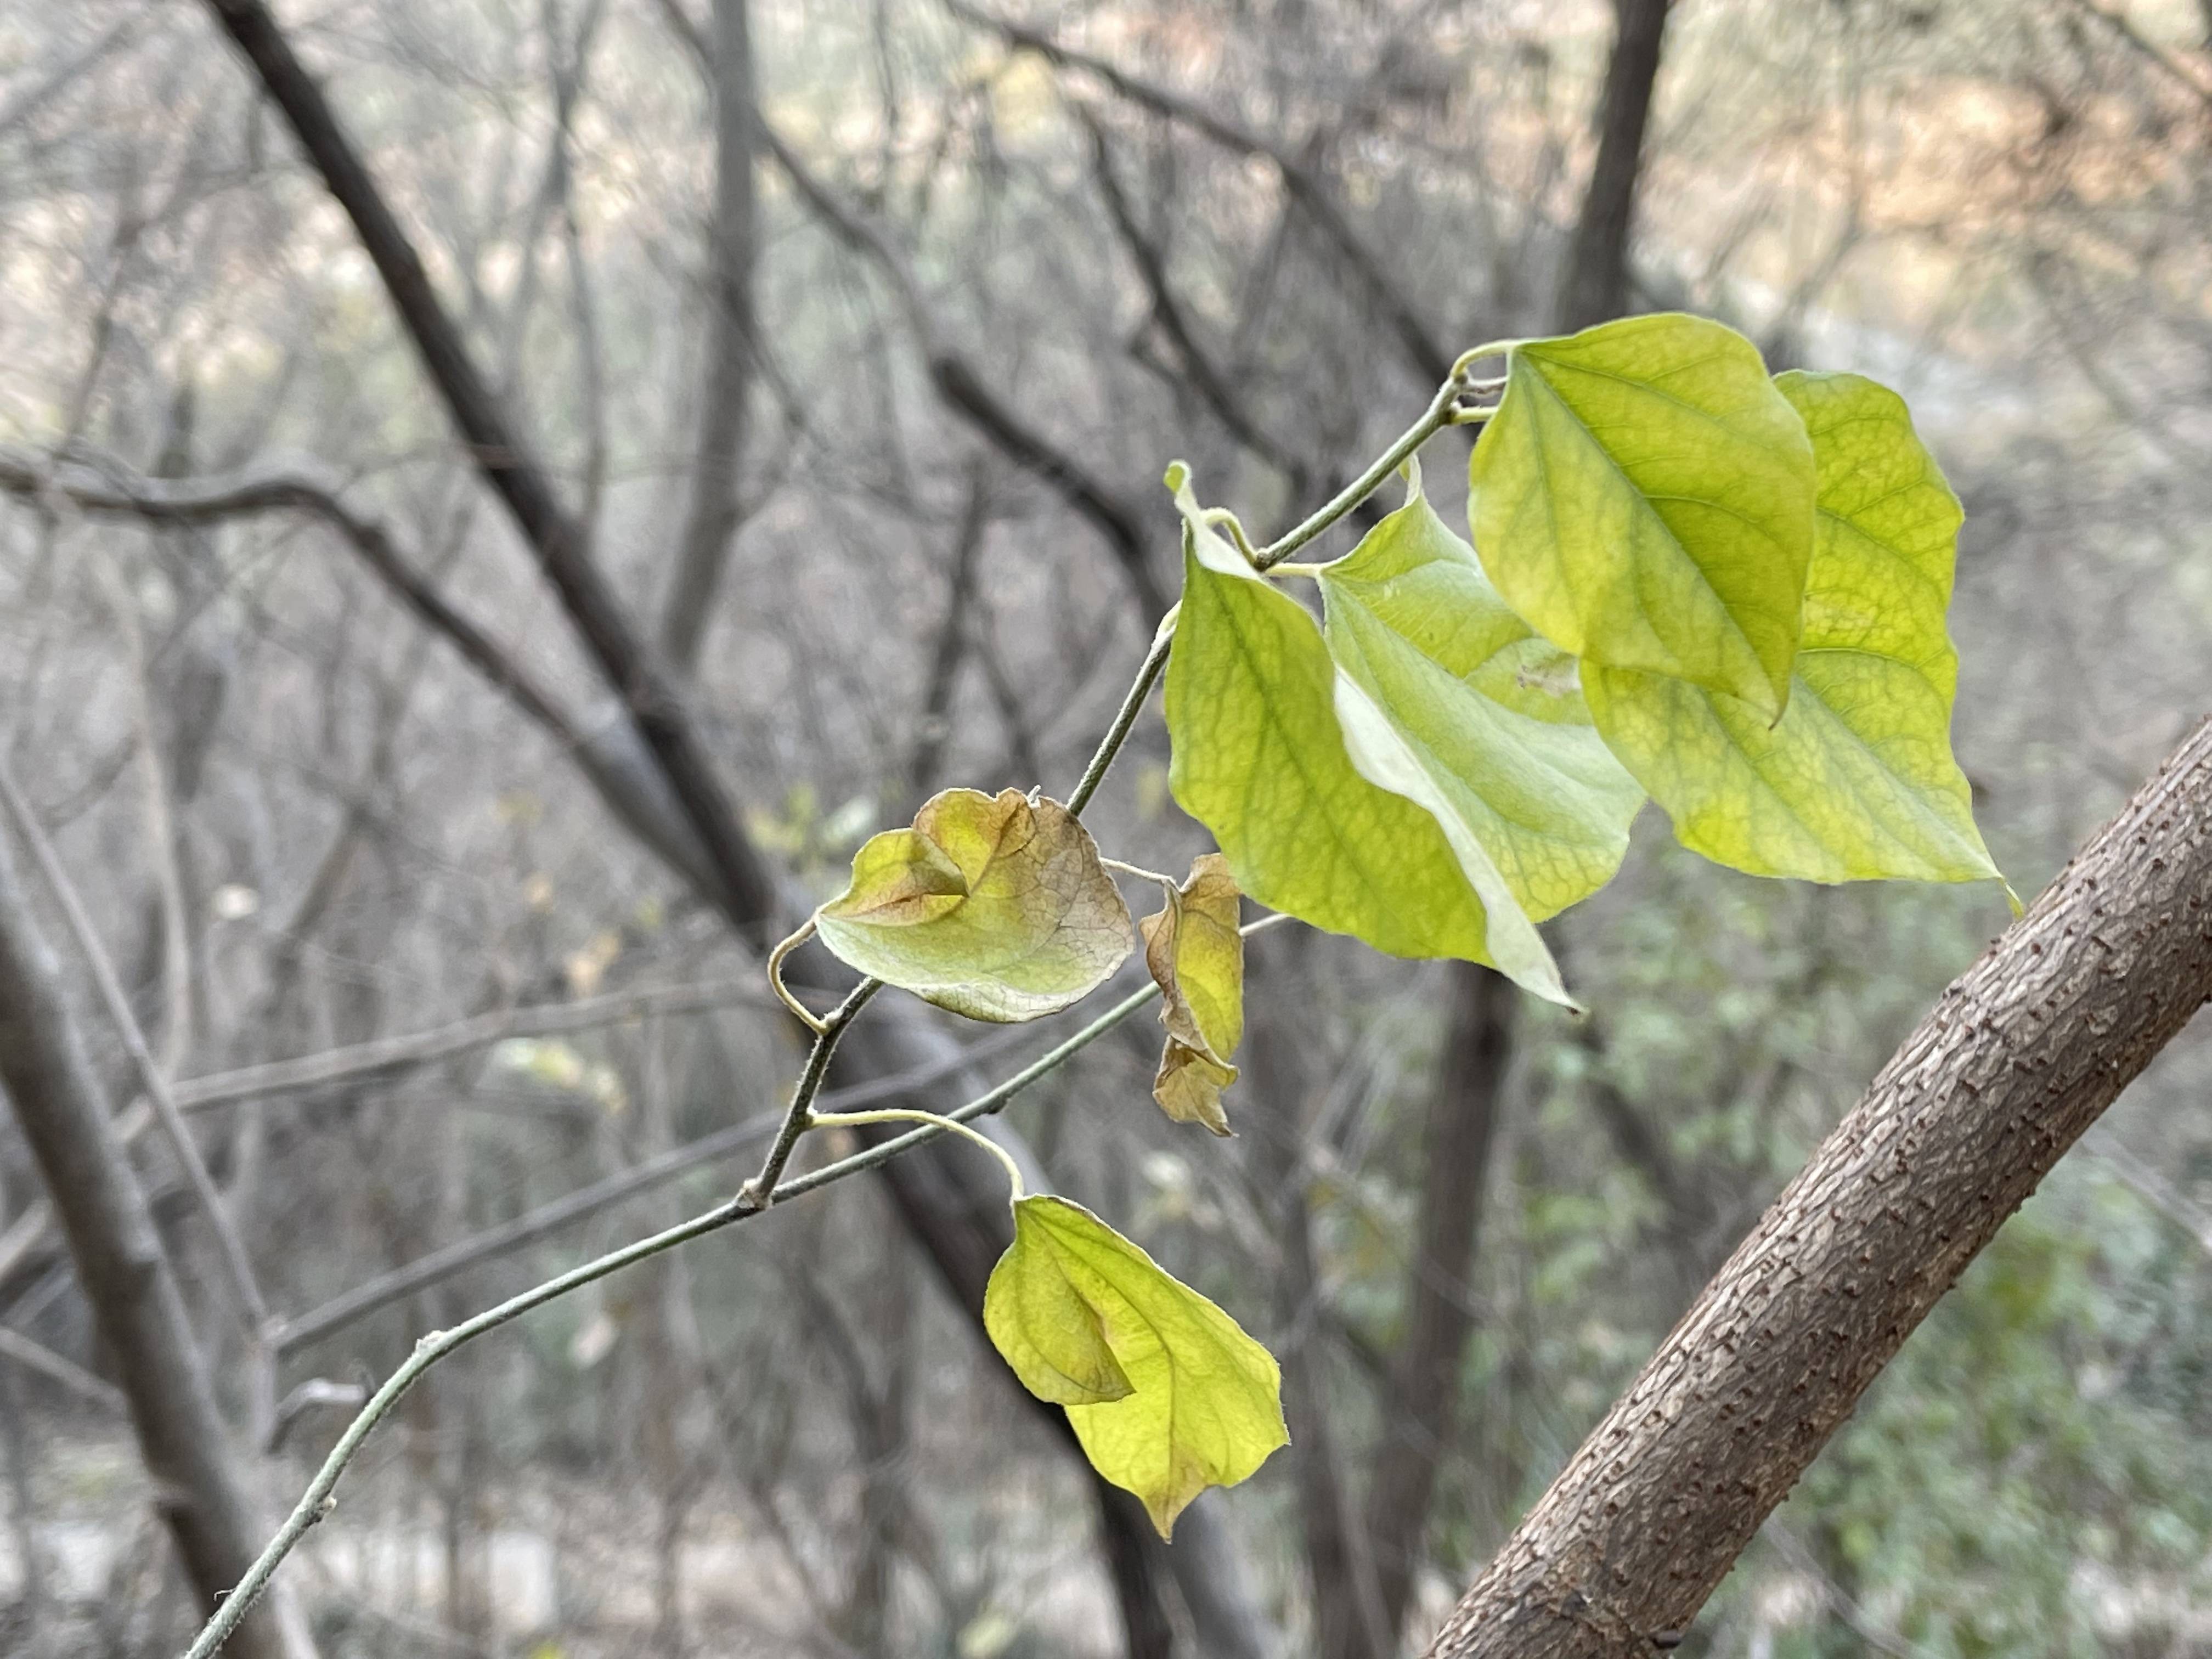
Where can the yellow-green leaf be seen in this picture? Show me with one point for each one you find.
(1195, 953)
(996, 908)
(1307, 788)
(1492, 714)
(1857, 780)
(1644, 497)
(1168, 1395)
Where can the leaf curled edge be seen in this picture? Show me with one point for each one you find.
(994, 907)
(1198, 1403)
(1194, 952)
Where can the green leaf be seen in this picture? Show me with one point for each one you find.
(995, 907)
(1857, 780)
(1168, 1395)
(1306, 786)
(1492, 714)
(1644, 496)
(1194, 950)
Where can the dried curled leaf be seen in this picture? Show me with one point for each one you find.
(1166, 1392)
(994, 907)
(1195, 953)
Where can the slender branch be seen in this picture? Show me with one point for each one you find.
(761, 1191)
(745, 887)
(36, 1357)
(1304, 183)
(1119, 524)
(317, 1501)
(115, 491)
(419, 1047)
(1125, 718)
(253, 1310)
(551, 1218)
(1439, 415)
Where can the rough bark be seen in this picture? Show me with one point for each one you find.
(202, 1496)
(1594, 285)
(2019, 1057)
(731, 326)
(1423, 1410)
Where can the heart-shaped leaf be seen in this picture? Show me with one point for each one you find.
(1167, 1394)
(1195, 951)
(1305, 785)
(1644, 497)
(1856, 781)
(996, 908)
(1492, 714)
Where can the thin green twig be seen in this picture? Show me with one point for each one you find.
(316, 1502)
(1126, 717)
(1439, 416)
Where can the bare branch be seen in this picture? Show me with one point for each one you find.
(419, 1047)
(253, 1310)
(745, 886)
(1422, 349)
(1117, 522)
(35, 1356)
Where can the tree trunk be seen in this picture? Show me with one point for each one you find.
(731, 324)
(202, 1495)
(2018, 1058)
(1423, 1410)
(1594, 285)
(745, 886)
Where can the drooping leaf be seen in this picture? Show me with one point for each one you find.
(1306, 787)
(1857, 780)
(1644, 497)
(1196, 955)
(1167, 1394)
(996, 908)
(1491, 713)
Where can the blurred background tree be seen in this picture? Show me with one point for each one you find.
(851, 341)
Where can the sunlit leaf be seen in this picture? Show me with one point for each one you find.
(1857, 780)
(1306, 787)
(1193, 950)
(1644, 497)
(1492, 714)
(996, 908)
(1168, 1395)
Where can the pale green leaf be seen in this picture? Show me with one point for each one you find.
(1857, 780)
(1168, 1395)
(1265, 755)
(996, 908)
(1492, 714)
(1644, 497)
(1195, 951)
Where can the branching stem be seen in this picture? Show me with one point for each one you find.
(805, 1016)
(316, 1502)
(915, 1114)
